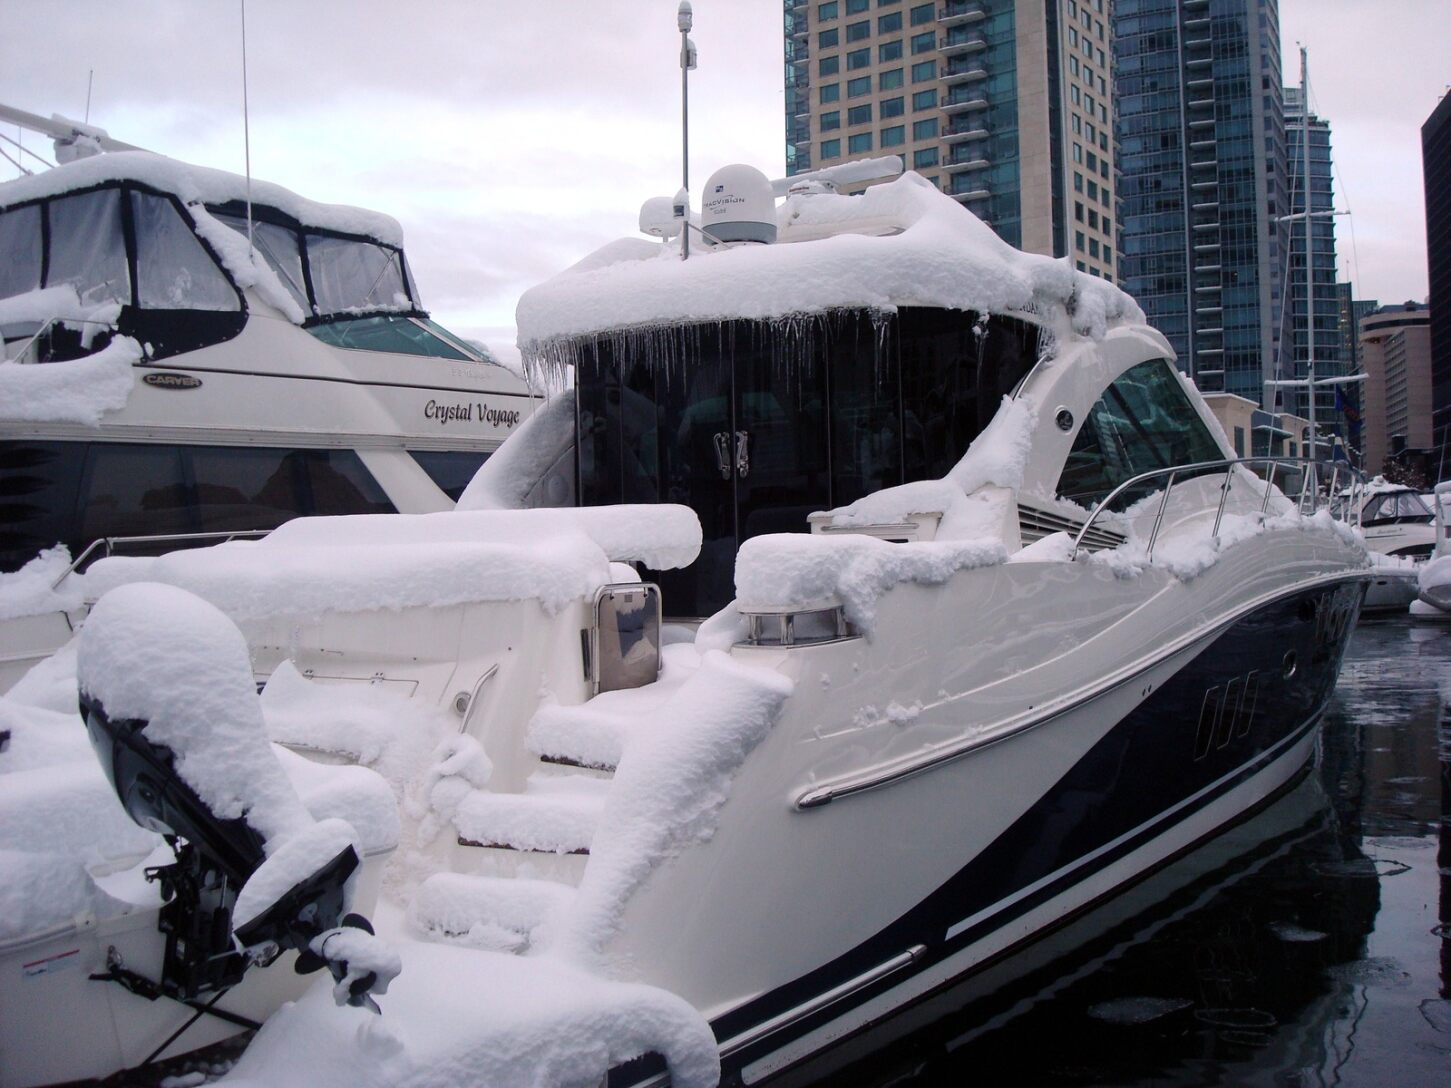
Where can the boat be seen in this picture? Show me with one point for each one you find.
(1433, 600)
(912, 602)
(190, 354)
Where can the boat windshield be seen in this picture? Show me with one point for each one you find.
(1394, 506)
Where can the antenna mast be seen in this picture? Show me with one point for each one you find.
(684, 19)
(246, 126)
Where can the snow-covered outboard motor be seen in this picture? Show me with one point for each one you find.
(171, 748)
(214, 859)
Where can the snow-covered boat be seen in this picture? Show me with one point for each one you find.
(159, 378)
(1433, 601)
(1043, 634)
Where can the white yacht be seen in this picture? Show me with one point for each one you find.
(161, 378)
(1433, 598)
(973, 619)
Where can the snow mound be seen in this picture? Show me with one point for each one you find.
(75, 391)
(41, 890)
(531, 468)
(31, 590)
(924, 249)
(495, 914)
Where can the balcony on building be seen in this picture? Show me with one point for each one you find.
(959, 12)
(965, 102)
(964, 133)
(962, 166)
(961, 42)
(957, 76)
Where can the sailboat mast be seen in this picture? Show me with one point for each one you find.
(1309, 236)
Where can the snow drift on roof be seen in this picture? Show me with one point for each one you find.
(936, 254)
(198, 185)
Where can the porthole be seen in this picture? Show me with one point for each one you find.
(1064, 419)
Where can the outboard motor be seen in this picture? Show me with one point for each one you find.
(207, 953)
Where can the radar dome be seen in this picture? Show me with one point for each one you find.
(738, 206)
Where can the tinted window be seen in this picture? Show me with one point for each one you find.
(87, 250)
(73, 493)
(385, 332)
(20, 242)
(1144, 421)
(173, 270)
(451, 470)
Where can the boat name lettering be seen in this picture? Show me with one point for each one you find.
(471, 412)
(166, 379)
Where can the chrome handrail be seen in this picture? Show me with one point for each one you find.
(1309, 491)
(110, 542)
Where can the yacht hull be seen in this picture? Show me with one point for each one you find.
(925, 876)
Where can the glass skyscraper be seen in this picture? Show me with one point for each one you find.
(1202, 181)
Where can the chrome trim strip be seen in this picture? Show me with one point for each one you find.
(819, 796)
(822, 1000)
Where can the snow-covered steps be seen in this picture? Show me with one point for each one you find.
(497, 914)
(555, 815)
(591, 735)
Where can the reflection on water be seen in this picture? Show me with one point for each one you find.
(1309, 946)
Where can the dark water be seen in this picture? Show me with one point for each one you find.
(1302, 948)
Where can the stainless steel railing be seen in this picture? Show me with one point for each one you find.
(1308, 500)
(110, 543)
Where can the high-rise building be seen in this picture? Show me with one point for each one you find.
(1436, 165)
(1005, 104)
(1298, 335)
(1202, 181)
(1395, 346)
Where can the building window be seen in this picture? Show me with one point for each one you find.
(856, 7)
(924, 13)
(925, 100)
(831, 92)
(1078, 182)
(895, 136)
(856, 32)
(889, 24)
(862, 141)
(1107, 225)
(826, 11)
(1107, 253)
(924, 71)
(1081, 266)
(892, 107)
(1103, 167)
(858, 58)
(1076, 95)
(1092, 161)
(1092, 188)
(890, 50)
(855, 88)
(1078, 242)
(1077, 153)
(1093, 247)
(924, 159)
(1092, 132)
(1072, 61)
(1077, 125)
(828, 66)
(1104, 193)
(925, 130)
(1073, 37)
(827, 39)
(830, 121)
(889, 81)
(859, 115)
(831, 149)
(1078, 210)
(924, 43)
(1103, 141)
(1093, 218)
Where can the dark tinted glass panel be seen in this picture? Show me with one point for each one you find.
(335, 482)
(173, 270)
(87, 250)
(866, 418)
(1144, 421)
(451, 470)
(133, 491)
(246, 488)
(20, 243)
(394, 334)
(39, 482)
(954, 376)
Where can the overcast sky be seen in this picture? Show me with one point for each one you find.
(512, 137)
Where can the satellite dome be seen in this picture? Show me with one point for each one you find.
(738, 206)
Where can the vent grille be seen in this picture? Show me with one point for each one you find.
(1035, 524)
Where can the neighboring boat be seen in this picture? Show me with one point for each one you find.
(159, 379)
(1043, 634)
(1434, 579)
